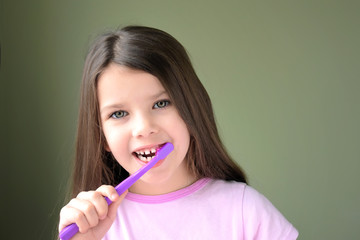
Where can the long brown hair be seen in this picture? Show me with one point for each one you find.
(158, 53)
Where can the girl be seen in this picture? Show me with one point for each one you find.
(139, 91)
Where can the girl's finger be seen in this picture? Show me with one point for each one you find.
(98, 201)
(108, 191)
(114, 206)
(69, 215)
(88, 210)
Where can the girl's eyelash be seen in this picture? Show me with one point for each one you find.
(158, 105)
(162, 103)
(118, 114)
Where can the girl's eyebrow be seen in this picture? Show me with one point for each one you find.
(159, 94)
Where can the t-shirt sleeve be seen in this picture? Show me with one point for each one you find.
(262, 220)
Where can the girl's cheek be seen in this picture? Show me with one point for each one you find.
(116, 138)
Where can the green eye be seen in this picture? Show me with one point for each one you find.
(119, 114)
(162, 104)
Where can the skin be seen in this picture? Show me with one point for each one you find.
(136, 114)
(89, 210)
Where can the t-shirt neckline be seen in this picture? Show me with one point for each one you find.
(154, 199)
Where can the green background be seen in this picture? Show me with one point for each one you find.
(284, 78)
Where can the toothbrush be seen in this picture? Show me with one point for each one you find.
(69, 231)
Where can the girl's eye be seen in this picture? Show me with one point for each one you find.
(119, 114)
(162, 104)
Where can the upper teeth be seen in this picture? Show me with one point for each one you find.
(144, 155)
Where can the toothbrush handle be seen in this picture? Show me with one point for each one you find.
(69, 231)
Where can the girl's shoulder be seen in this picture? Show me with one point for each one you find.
(260, 217)
(218, 187)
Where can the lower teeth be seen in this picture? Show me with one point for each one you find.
(143, 158)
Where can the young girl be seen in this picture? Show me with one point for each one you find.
(140, 91)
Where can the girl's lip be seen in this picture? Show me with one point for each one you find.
(147, 147)
(144, 163)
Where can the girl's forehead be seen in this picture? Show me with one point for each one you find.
(115, 73)
(120, 83)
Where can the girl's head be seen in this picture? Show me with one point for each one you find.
(157, 53)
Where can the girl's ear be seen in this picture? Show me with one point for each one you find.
(103, 141)
(106, 147)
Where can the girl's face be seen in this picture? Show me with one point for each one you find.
(137, 118)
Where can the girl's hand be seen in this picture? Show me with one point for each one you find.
(92, 214)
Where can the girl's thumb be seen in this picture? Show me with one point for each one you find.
(114, 206)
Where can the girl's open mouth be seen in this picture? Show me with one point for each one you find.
(146, 155)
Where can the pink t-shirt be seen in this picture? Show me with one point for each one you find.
(208, 209)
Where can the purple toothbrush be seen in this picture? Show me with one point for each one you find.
(69, 231)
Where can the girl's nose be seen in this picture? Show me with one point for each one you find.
(143, 126)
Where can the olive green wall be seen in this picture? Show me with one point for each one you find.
(284, 77)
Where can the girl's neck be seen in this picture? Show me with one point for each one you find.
(159, 188)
